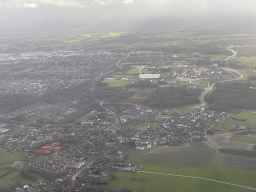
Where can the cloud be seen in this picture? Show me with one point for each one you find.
(29, 5)
(128, 1)
(63, 3)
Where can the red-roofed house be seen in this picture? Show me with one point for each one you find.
(45, 147)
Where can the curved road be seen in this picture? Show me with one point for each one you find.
(209, 88)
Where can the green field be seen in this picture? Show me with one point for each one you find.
(145, 70)
(125, 76)
(249, 58)
(196, 161)
(247, 73)
(243, 138)
(169, 35)
(115, 127)
(141, 125)
(7, 161)
(153, 182)
(118, 84)
(134, 71)
(189, 157)
(185, 111)
(226, 125)
(249, 117)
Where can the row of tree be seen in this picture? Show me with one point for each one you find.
(173, 97)
(232, 95)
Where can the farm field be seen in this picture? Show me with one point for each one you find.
(188, 110)
(118, 84)
(134, 71)
(247, 73)
(8, 167)
(243, 119)
(152, 182)
(243, 138)
(192, 160)
(175, 155)
(222, 141)
(237, 161)
(249, 117)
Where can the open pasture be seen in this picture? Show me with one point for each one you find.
(243, 138)
(223, 142)
(118, 84)
(237, 161)
(247, 119)
(144, 181)
(192, 154)
(8, 173)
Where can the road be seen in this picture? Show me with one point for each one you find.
(177, 111)
(116, 118)
(141, 69)
(201, 178)
(235, 71)
(118, 64)
(207, 90)
(233, 51)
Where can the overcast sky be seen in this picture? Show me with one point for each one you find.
(37, 13)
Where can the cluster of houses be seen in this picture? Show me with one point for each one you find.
(35, 73)
(53, 165)
(178, 131)
(213, 72)
(137, 115)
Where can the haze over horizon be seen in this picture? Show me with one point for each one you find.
(45, 16)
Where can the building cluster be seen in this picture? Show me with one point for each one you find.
(35, 73)
(178, 131)
(80, 148)
(137, 115)
(213, 72)
(53, 165)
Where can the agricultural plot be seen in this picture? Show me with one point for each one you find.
(157, 182)
(223, 142)
(185, 111)
(169, 36)
(118, 84)
(225, 126)
(250, 119)
(192, 154)
(237, 161)
(145, 70)
(243, 138)
(7, 159)
(245, 74)
(243, 153)
(249, 58)
(134, 71)
(8, 171)
(243, 119)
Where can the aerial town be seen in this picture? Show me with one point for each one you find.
(67, 140)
